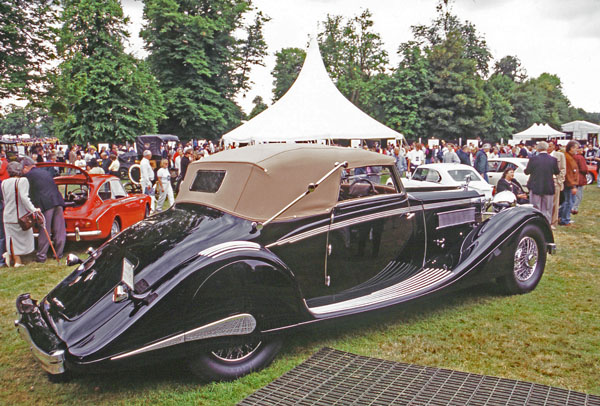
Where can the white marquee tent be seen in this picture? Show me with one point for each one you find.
(538, 132)
(312, 109)
(581, 129)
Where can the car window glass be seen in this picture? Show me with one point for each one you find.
(117, 189)
(459, 175)
(207, 181)
(494, 166)
(366, 181)
(420, 174)
(104, 191)
(433, 176)
(511, 166)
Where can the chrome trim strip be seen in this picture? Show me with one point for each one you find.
(414, 284)
(368, 217)
(53, 363)
(85, 233)
(230, 246)
(239, 324)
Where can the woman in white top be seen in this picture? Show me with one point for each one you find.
(163, 185)
(16, 189)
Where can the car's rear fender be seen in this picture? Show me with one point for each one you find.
(254, 282)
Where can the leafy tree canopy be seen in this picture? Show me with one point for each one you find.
(199, 62)
(101, 93)
(288, 62)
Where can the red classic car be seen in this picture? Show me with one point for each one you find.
(96, 206)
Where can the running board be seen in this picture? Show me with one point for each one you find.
(415, 284)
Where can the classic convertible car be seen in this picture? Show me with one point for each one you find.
(96, 206)
(266, 239)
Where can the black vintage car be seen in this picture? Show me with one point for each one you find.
(266, 239)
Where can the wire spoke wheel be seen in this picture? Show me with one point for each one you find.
(237, 352)
(526, 259)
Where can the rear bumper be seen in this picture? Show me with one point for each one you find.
(45, 346)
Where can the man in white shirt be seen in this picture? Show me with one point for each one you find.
(415, 157)
(163, 185)
(147, 176)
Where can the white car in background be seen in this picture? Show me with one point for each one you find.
(451, 175)
(498, 165)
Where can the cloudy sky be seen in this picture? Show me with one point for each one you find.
(555, 36)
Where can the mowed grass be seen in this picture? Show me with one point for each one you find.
(550, 336)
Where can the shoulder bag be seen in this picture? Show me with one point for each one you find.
(28, 220)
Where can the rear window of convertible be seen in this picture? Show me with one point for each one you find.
(207, 181)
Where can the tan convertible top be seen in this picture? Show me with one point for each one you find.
(262, 179)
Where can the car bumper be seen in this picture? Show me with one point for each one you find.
(551, 247)
(44, 344)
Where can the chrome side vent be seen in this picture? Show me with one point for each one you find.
(456, 217)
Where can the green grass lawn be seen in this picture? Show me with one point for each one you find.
(550, 336)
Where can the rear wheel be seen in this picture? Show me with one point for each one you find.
(529, 260)
(232, 361)
(589, 178)
(115, 228)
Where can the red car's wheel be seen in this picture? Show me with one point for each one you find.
(115, 228)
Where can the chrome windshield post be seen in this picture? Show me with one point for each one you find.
(309, 189)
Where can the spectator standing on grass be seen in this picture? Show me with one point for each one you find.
(114, 166)
(185, 161)
(582, 166)
(147, 177)
(450, 156)
(18, 241)
(163, 185)
(541, 169)
(559, 181)
(571, 181)
(45, 195)
(481, 162)
(464, 154)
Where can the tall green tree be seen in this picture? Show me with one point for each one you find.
(456, 104)
(402, 93)
(199, 62)
(354, 56)
(288, 63)
(27, 36)
(259, 107)
(29, 119)
(101, 93)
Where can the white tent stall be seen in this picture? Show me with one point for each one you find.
(582, 130)
(312, 109)
(537, 132)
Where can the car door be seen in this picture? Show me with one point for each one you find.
(128, 208)
(372, 239)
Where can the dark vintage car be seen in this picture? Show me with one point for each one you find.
(266, 239)
(96, 206)
(130, 168)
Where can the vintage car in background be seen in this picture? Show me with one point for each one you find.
(450, 174)
(153, 143)
(96, 206)
(497, 166)
(266, 239)
(592, 172)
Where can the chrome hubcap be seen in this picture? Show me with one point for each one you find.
(526, 258)
(237, 352)
(114, 230)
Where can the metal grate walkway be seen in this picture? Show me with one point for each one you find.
(332, 377)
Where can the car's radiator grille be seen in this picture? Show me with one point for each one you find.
(456, 217)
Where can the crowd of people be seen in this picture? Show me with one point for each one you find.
(555, 186)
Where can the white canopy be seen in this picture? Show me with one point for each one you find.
(581, 129)
(312, 109)
(537, 131)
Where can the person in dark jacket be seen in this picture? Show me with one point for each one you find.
(45, 196)
(541, 169)
(464, 155)
(481, 162)
(185, 161)
(582, 166)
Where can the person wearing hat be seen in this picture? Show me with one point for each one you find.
(93, 168)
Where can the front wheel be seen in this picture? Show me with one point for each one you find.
(529, 260)
(230, 362)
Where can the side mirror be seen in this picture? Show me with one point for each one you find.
(73, 259)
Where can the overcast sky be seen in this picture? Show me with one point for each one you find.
(555, 36)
